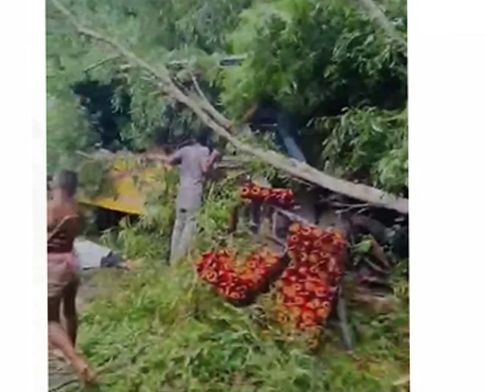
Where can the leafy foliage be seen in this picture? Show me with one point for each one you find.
(327, 62)
(345, 80)
(94, 178)
(362, 144)
(68, 132)
(158, 31)
(314, 57)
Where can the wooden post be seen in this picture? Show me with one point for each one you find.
(343, 320)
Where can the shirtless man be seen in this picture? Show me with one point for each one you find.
(194, 162)
(64, 224)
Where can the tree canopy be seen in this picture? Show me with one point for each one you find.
(327, 62)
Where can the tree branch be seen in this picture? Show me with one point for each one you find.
(219, 117)
(101, 62)
(378, 16)
(280, 162)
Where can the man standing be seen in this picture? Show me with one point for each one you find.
(194, 163)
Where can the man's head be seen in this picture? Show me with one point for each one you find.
(65, 182)
(202, 137)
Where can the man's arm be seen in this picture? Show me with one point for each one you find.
(174, 159)
(208, 164)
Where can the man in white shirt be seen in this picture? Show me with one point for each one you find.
(194, 162)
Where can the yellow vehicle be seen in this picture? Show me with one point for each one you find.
(130, 178)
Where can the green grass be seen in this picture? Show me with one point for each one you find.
(158, 329)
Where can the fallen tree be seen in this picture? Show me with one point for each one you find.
(223, 127)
